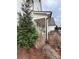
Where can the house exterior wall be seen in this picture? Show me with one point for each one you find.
(35, 16)
(38, 14)
(37, 5)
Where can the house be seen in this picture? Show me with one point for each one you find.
(43, 20)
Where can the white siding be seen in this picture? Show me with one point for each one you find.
(37, 5)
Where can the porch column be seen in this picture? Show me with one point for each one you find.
(46, 28)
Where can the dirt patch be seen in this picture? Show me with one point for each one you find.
(32, 53)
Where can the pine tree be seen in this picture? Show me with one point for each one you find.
(26, 32)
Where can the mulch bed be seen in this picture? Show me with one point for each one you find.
(31, 53)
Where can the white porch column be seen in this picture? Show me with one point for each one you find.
(46, 27)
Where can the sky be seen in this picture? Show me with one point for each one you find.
(49, 5)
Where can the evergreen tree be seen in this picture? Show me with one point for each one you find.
(26, 32)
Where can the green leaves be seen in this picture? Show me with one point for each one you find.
(26, 32)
